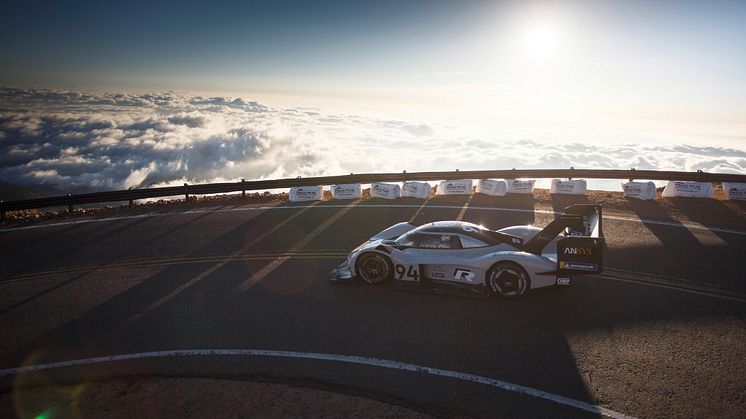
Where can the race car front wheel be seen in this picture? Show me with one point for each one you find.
(374, 268)
(508, 280)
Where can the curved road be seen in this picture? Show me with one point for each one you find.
(662, 334)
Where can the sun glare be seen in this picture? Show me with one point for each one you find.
(540, 40)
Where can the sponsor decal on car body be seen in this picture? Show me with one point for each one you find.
(563, 281)
(464, 274)
(586, 251)
(592, 267)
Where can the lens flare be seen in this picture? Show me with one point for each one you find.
(541, 40)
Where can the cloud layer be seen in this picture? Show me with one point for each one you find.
(82, 141)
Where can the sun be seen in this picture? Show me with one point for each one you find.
(540, 40)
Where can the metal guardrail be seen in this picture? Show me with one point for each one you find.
(213, 188)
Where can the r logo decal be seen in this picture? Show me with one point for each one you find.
(463, 274)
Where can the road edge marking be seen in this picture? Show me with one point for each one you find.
(349, 359)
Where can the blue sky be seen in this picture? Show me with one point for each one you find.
(386, 47)
(394, 85)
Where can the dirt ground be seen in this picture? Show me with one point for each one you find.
(192, 398)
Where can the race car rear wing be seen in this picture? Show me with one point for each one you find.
(581, 250)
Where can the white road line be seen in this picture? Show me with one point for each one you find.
(168, 297)
(673, 286)
(266, 208)
(349, 359)
(416, 213)
(463, 209)
(262, 273)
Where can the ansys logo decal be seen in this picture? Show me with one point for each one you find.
(587, 251)
(463, 274)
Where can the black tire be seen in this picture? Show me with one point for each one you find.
(508, 280)
(374, 268)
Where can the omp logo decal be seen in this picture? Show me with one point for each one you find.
(587, 251)
(463, 274)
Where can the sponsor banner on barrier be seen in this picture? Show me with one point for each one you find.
(492, 187)
(568, 187)
(735, 191)
(639, 190)
(348, 191)
(677, 188)
(520, 186)
(384, 190)
(420, 190)
(306, 193)
(454, 187)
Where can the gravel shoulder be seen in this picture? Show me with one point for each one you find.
(192, 397)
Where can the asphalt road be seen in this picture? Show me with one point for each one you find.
(243, 277)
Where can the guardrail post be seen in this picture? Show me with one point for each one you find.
(70, 204)
(131, 200)
(243, 187)
(632, 174)
(186, 192)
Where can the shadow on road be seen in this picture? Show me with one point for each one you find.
(560, 202)
(58, 246)
(520, 210)
(89, 330)
(94, 242)
(674, 250)
(10, 246)
(713, 212)
(294, 308)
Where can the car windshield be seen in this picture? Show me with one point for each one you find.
(407, 239)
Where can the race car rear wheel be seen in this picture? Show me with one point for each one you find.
(508, 280)
(374, 268)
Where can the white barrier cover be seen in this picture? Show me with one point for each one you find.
(348, 191)
(454, 187)
(677, 188)
(420, 190)
(306, 193)
(568, 187)
(492, 187)
(639, 190)
(384, 190)
(520, 186)
(736, 191)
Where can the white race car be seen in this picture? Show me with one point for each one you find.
(465, 258)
